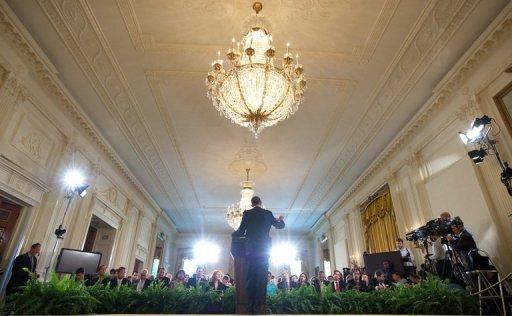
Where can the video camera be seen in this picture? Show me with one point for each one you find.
(435, 227)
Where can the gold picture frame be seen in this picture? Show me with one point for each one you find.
(503, 101)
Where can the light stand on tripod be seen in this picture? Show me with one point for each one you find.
(75, 187)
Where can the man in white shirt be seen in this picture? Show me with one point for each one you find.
(407, 257)
(143, 281)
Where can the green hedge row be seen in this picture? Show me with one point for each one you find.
(65, 297)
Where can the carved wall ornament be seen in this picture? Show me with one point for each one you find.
(32, 144)
(54, 87)
(501, 32)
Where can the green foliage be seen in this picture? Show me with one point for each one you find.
(65, 296)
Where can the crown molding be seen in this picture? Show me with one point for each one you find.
(21, 40)
(439, 22)
(496, 33)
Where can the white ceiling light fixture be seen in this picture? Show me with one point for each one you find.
(253, 92)
(236, 211)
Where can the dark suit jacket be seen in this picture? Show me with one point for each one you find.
(165, 281)
(220, 287)
(282, 285)
(147, 283)
(19, 277)
(192, 282)
(255, 226)
(316, 284)
(113, 282)
(341, 286)
(464, 242)
(358, 285)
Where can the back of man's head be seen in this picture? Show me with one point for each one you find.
(256, 201)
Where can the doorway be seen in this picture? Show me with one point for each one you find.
(157, 259)
(100, 238)
(9, 214)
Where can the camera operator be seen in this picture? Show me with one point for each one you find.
(462, 242)
(439, 249)
(407, 257)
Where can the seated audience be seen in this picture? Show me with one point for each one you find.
(119, 278)
(330, 279)
(112, 273)
(337, 282)
(143, 281)
(161, 278)
(216, 282)
(271, 286)
(198, 278)
(397, 278)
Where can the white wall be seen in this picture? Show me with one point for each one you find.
(427, 167)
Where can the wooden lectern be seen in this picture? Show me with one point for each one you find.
(238, 254)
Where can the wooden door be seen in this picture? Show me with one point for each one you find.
(90, 238)
(9, 214)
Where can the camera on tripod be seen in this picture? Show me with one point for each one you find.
(436, 227)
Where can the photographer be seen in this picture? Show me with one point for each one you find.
(407, 257)
(439, 248)
(462, 242)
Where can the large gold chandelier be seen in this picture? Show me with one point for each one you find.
(253, 92)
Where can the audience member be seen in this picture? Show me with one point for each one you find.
(271, 286)
(407, 257)
(387, 269)
(216, 282)
(112, 273)
(135, 277)
(119, 278)
(80, 275)
(28, 261)
(330, 279)
(179, 278)
(397, 278)
(337, 282)
(303, 279)
(415, 279)
(286, 283)
(356, 282)
(379, 282)
(226, 280)
(161, 278)
(100, 276)
(143, 282)
(198, 278)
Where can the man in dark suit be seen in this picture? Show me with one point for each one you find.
(143, 282)
(337, 284)
(198, 279)
(462, 242)
(161, 278)
(255, 226)
(119, 279)
(20, 277)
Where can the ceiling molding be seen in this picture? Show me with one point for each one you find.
(146, 42)
(80, 32)
(439, 23)
(475, 56)
(55, 88)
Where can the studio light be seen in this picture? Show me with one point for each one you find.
(206, 252)
(283, 253)
(480, 139)
(74, 178)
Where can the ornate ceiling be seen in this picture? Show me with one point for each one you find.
(137, 67)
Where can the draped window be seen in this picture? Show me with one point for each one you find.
(379, 223)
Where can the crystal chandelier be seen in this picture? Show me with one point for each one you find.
(236, 211)
(253, 92)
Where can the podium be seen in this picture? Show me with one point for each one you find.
(238, 254)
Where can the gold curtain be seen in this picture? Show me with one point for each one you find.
(379, 224)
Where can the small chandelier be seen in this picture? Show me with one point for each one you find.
(236, 211)
(253, 92)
